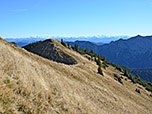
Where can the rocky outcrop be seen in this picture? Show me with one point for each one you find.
(118, 78)
(50, 49)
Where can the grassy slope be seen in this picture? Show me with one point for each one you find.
(29, 83)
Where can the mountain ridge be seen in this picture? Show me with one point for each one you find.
(32, 84)
(132, 52)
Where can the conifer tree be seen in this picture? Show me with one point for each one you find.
(95, 59)
(99, 62)
(68, 45)
(100, 70)
(126, 73)
(86, 50)
(76, 47)
(137, 76)
(63, 43)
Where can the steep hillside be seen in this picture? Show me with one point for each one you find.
(30, 84)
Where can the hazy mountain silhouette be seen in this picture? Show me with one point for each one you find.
(95, 39)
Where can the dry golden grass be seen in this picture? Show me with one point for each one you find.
(32, 84)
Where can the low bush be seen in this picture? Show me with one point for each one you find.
(138, 91)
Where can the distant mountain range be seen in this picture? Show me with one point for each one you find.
(99, 40)
(94, 39)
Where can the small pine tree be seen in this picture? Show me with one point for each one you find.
(91, 51)
(126, 73)
(63, 43)
(133, 79)
(137, 76)
(76, 47)
(100, 71)
(95, 59)
(99, 62)
(86, 50)
(91, 58)
(68, 45)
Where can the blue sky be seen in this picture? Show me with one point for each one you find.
(23, 18)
